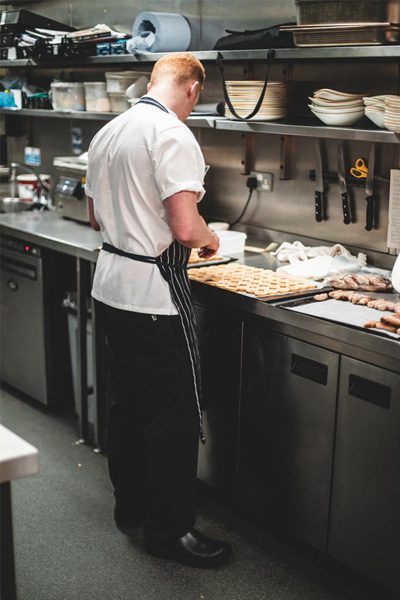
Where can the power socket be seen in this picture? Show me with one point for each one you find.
(264, 181)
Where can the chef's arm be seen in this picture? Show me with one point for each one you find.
(187, 225)
(92, 218)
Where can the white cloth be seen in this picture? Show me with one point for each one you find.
(136, 161)
(317, 262)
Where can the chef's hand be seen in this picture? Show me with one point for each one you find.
(211, 247)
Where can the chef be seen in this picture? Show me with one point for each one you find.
(144, 180)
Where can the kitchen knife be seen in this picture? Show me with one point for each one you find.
(320, 206)
(369, 190)
(344, 194)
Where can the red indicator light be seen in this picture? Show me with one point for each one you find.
(27, 248)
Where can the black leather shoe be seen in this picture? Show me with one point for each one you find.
(193, 549)
(128, 527)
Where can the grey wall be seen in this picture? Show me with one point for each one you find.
(288, 211)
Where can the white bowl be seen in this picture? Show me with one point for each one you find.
(337, 111)
(376, 116)
(339, 119)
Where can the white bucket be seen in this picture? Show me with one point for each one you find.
(28, 185)
(231, 242)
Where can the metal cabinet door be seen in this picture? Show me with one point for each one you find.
(287, 430)
(22, 339)
(220, 338)
(365, 515)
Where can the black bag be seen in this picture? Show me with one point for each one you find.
(252, 39)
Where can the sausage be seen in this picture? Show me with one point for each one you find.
(371, 323)
(392, 320)
(381, 325)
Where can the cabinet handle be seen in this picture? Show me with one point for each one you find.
(370, 391)
(309, 369)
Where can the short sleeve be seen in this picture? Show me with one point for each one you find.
(178, 163)
(88, 185)
(88, 177)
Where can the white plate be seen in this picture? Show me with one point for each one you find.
(335, 104)
(329, 94)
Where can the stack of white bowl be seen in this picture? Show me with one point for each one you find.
(392, 113)
(375, 109)
(338, 109)
(245, 94)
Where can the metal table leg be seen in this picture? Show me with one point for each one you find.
(7, 571)
(99, 377)
(82, 274)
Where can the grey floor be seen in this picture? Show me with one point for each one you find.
(67, 547)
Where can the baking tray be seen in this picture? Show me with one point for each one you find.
(293, 296)
(343, 312)
(207, 263)
(339, 34)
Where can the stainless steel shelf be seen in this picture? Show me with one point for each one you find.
(277, 128)
(330, 53)
(309, 130)
(200, 121)
(58, 114)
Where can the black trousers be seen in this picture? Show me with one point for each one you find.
(153, 421)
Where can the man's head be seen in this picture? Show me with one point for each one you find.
(178, 80)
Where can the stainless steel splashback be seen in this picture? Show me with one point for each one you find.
(289, 209)
(208, 19)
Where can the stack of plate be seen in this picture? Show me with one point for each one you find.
(338, 109)
(375, 109)
(392, 113)
(245, 94)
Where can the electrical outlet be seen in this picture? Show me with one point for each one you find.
(264, 181)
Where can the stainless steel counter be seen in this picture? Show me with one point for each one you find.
(51, 231)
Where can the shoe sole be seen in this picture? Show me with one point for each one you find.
(216, 561)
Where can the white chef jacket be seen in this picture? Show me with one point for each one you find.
(136, 161)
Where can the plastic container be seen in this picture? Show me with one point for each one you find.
(67, 95)
(340, 11)
(28, 185)
(96, 98)
(218, 226)
(119, 81)
(231, 242)
(119, 102)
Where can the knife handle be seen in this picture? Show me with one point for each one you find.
(346, 209)
(369, 213)
(376, 213)
(318, 206)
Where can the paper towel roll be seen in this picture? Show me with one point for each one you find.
(160, 32)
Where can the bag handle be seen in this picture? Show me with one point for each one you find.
(220, 59)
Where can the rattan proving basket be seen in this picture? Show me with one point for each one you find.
(341, 11)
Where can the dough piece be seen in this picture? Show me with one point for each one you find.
(321, 297)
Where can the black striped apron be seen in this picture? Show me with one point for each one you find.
(172, 264)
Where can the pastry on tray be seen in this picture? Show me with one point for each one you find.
(249, 280)
(194, 257)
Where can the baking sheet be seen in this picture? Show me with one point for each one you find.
(344, 312)
(207, 263)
